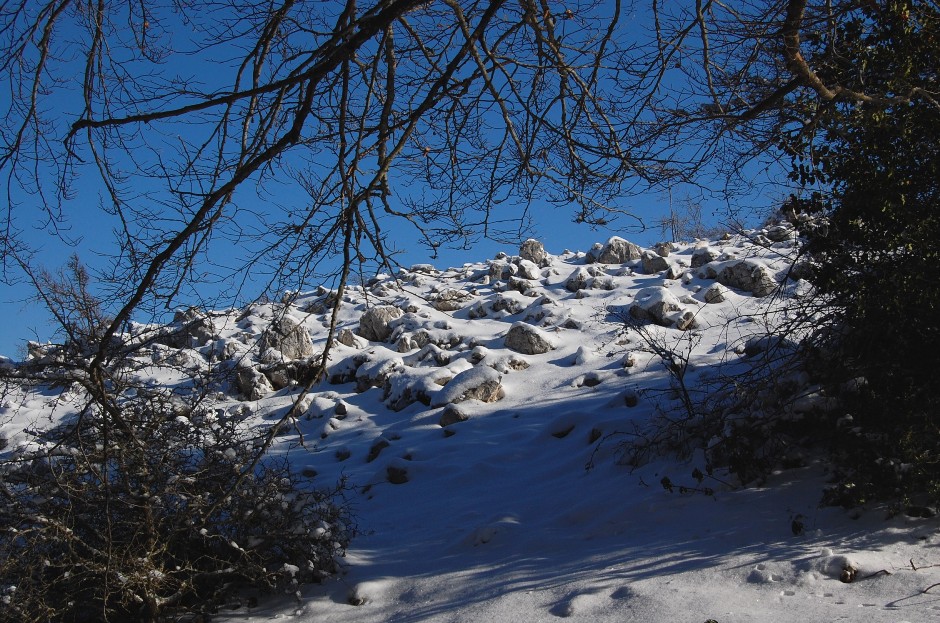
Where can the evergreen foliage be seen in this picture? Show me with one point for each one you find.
(876, 261)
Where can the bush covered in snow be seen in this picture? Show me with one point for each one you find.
(156, 510)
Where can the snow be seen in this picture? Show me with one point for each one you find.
(524, 512)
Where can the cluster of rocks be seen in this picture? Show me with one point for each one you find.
(437, 365)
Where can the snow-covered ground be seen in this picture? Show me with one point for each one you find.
(519, 509)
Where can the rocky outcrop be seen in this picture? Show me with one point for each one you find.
(450, 299)
(580, 279)
(529, 270)
(715, 293)
(190, 328)
(252, 383)
(702, 256)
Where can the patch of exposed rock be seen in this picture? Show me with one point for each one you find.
(659, 305)
(374, 324)
(528, 340)
(450, 299)
(190, 328)
(747, 275)
(533, 251)
(288, 337)
(616, 251)
(480, 383)
(716, 293)
(653, 262)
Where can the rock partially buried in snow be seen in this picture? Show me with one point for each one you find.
(452, 415)
(529, 270)
(653, 263)
(252, 384)
(528, 340)
(716, 293)
(747, 275)
(374, 323)
(658, 304)
(702, 256)
(580, 279)
(451, 299)
(616, 251)
(481, 383)
(287, 336)
(348, 338)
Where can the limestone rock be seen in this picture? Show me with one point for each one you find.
(528, 340)
(529, 269)
(288, 337)
(780, 233)
(452, 415)
(252, 384)
(533, 251)
(616, 251)
(579, 280)
(190, 328)
(480, 383)
(653, 262)
(716, 293)
(450, 299)
(348, 338)
(747, 275)
(702, 256)
(374, 323)
(659, 305)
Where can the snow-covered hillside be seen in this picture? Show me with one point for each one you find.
(477, 413)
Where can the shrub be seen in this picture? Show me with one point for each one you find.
(171, 512)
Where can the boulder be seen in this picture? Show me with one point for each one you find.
(664, 248)
(288, 337)
(528, 340)
(376, 372)
(374, 323)
(190, 328)
(780, 233)
(655, 303)
(747, 275)
(480, 383)
(252, 383)
(653, 262)
(533, 251)
(716, 293)
(616, 251)
(659, 305)
(452, 415)
(578, 280)
(702, 256)
(529, 269)
(348, 338)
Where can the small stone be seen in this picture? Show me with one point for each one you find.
(452, 415)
